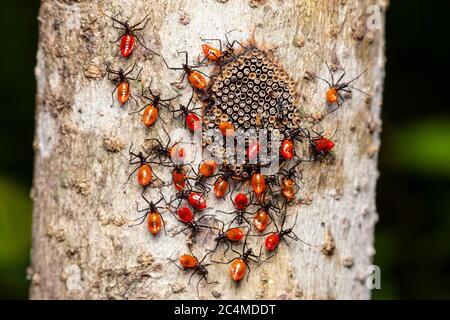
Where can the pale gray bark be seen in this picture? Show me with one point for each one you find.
(82, 245)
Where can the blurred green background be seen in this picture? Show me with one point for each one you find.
(412, 236)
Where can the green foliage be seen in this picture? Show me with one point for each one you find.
(422, 147)
(15, 238)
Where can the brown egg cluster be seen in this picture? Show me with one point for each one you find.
(251, 92)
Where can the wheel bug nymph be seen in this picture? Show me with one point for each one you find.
(190, 262)
(179, 177)
(222, 183)
(228, 237)
(195, 199)
(287, 182)
(174, 152)
(320, 146)
(273, 238)
(194, 225)
(241, 203)
(259, 185)
(122, 80)
(206, 170)
(128, 36)
(191, 115)
(185, 214)
(153, 215)
(287, 145)
(196, 78)
(240, 264)
(263, 216)
(333, 94)
(224, 52)
(151, 109)
(144, 171)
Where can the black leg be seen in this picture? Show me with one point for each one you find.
(359, 90)
(170, 99)
(235, 41)
(159, 179)
(127, 70)
(163, 223)
(198, 282)
(206, 216)
(176, 264)
(331, 73)
(137, 76)
(325, 80)
(137, 24)
(249, 270)
(140, 42)
(228, 247)
(221, 262)
(340, 79)
(235, 59)
(248, 222)
(112, 95)
(120, 37)
(168, 136)
(218, 40)
(134, 112)
(171, 68)
(284, 240)
(115, 79)
(142, 210)
(134, 99)
(186, 57)
(204, 59)
(182, 230)
(190, 277)
(221, 211)
(119, 28)
(232, 221)
(114, 19)
(228, 40)
(129, 177)
(181, 79)
(357, 77)
(141, 218)
(131, 162)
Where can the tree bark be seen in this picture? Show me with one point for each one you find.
(82, 245)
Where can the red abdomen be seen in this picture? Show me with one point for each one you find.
(150, 115)
(237, 269)
(235, 234)
(272, 241)
(127, 45)
(179, 179)
(261, 220)
(186, 215)
(197, 201)
(144, 175)
(154, 223)
(123, 92)
(211, 53)
(193, 121)
(259, 184)
(197, 80)
(220, 187)
(287, 149)
(188, 261)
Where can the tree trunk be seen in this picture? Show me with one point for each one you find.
(82, 245)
